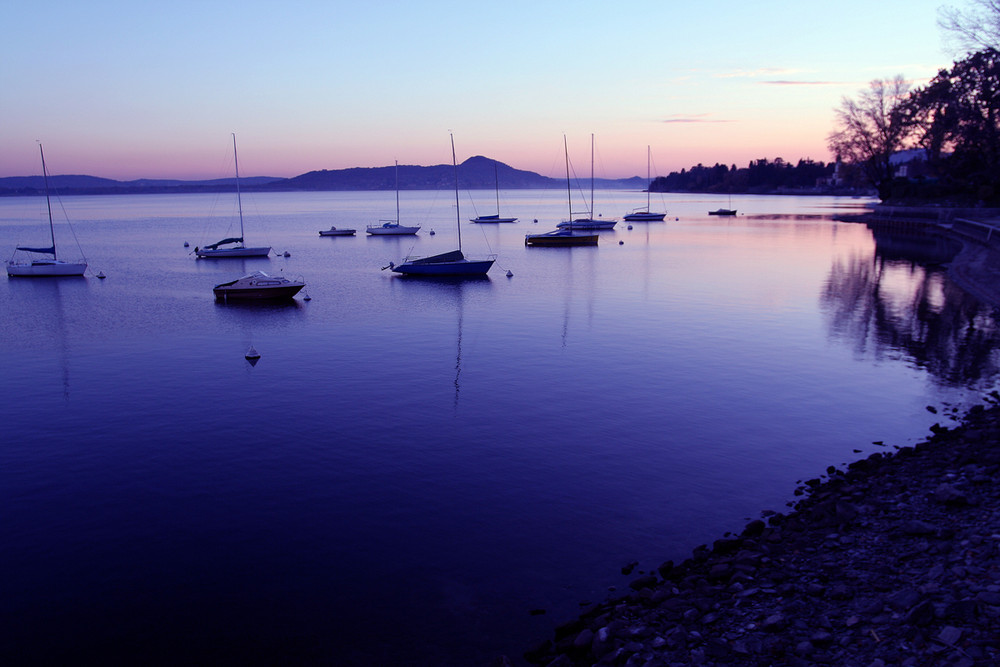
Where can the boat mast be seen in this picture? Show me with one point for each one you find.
(569, 191)
(397, 192)
(48, 201)
(458, 217)
(496, 179)
(239, 200)
(647, 179)
(591, 176)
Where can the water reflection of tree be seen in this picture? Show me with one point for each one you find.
(890, 306)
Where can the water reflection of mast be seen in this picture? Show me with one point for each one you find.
(458, 353)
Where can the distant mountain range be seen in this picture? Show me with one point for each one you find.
(473, 174)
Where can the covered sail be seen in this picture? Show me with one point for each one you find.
(213, 246)
(452, 256)
(46, 251)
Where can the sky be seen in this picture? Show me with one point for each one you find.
(127, 90)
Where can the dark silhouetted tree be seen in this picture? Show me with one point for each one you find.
(869, 131)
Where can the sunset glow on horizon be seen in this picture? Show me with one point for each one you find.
(126, 91)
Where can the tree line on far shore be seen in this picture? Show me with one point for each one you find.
(764, 176)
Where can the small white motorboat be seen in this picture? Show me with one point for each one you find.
(259, 286)
(333, 231)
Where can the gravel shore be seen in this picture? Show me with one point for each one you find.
(893, 561)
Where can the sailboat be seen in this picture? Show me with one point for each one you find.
(724, 211)
(392, 227)
(645, 215)
(494, 218)
(589, 222)
(563, 236)
(452, 263)
(235, 246)
(46, 266)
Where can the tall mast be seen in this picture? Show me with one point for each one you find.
(569, 192)
(458, 217)
(397, 192)
(48, 202)
(496, 179)
(591, 176)
(647, 179)
(239, 200)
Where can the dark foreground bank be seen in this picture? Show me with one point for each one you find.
(893, 561)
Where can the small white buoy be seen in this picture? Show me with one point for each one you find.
(630, 226)
(306, 297)
(252, 355)
(510, 274)
(621, 243)
(432, 232)
(287, 254)
(186, 244)
(100, 274)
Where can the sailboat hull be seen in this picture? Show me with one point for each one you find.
(587, 223)
(492, 218)
(561, 237)
(462, 267)
(233, 252)
(45, 268)
(644, 216)
(389, 229)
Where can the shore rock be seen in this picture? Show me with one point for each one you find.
(894, 561)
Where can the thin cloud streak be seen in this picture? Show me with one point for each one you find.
(701, 118)
(802, 83)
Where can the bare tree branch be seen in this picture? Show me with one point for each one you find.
(972, 29)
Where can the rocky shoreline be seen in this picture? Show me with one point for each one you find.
(893, 561)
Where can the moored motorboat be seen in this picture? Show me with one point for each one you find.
(259, 286)
(723, 211)
(333, 231)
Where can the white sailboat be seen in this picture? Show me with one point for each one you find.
(452, 263)
(392, 227)
(235, 247)
(589, 222)
(564, 236)
(644, 214)
(45, 267)
(494, 218)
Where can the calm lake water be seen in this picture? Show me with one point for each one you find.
(414, 466)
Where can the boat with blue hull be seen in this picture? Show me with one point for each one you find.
(644, 214)
(451, 263)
